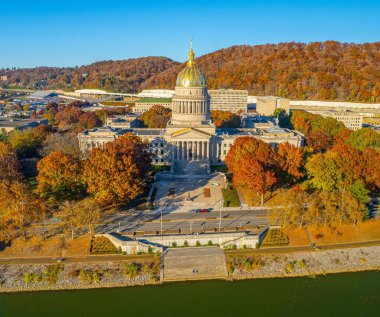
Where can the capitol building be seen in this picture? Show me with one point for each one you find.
(190, 143)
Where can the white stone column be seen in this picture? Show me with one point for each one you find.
(207, 150)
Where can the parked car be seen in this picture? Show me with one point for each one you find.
(203, 211)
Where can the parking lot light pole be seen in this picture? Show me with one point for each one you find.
(220, 215)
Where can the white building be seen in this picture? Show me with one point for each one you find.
(156, 93)
(228, 100)
(191, 143)
(351, 120)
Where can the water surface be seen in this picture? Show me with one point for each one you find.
(349, 294)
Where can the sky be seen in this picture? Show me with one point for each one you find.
(74, 33)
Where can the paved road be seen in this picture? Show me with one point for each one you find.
(185, 221)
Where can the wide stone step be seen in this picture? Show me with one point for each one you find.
(194, 263)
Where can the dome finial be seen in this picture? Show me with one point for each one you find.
(190, 61)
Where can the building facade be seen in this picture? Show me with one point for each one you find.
(267, 105)
(228, 100)
(351, 120)
(190, 143)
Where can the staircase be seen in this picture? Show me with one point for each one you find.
(194, 264)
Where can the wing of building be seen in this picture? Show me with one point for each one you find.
(190, 144)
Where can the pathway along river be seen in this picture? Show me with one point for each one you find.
(348, 294)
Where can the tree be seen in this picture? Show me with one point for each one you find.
(68, 216)
(364, 138)
(323, 172)
(88, 120)
(9, 165)
(65, 143)
(43, 130)
(253, 164)
(60, 177)
(26, 143)
(87, 213)
(283, 118)
(293, 207)
(156, 117)
(291, 161)
(67, 116)
(253, 175)
(116, 173)
(225, 119)
(19, 206)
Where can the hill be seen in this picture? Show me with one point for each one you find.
(119, 76)
(319, 70)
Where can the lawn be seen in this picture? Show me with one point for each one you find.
(275, 237)
(219, 168)
(365, 231)
(230, 197)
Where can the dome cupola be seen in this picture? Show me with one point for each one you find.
(191, 75)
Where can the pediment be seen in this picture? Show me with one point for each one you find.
(190, 133)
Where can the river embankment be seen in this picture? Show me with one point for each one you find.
(249, 265)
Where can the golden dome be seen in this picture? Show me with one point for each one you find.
(191, 75)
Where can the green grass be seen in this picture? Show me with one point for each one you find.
(230, 197)
(155, 100)
(159, 168)
(219, 168)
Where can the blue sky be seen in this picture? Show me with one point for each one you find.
(70, 33)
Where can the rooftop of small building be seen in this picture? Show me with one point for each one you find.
(15, 122)
(154, 100)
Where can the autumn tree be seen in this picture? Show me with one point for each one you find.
(60, 177)
(65, 143)
(67, 116)
(88, 120)
(292, 209)
(26, 143)
(9, 164)
(156, 117)
(43, 130)
(19, 206)
(364, 138)
(116, 173)
(291, 160)
(225, 119)
(253, 165)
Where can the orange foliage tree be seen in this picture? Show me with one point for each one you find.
(225, 119)
(292, 161)
(60, 177)
(253, 165)
(116, 173)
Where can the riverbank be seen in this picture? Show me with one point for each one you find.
(250, 265)
(296, 264)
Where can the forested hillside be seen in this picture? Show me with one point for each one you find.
(119, 76)
(319, 70)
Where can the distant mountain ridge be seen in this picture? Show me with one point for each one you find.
(319, 70)
(118, 76)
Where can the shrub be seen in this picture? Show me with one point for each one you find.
(186, 244)
(28, 278)
(198, 244)
(174, 244)
(289, 267)
(209, 243)
(302, 264)
(131, 270)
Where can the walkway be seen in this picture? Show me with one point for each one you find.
(194, 264)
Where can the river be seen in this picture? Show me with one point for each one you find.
(348, 294)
